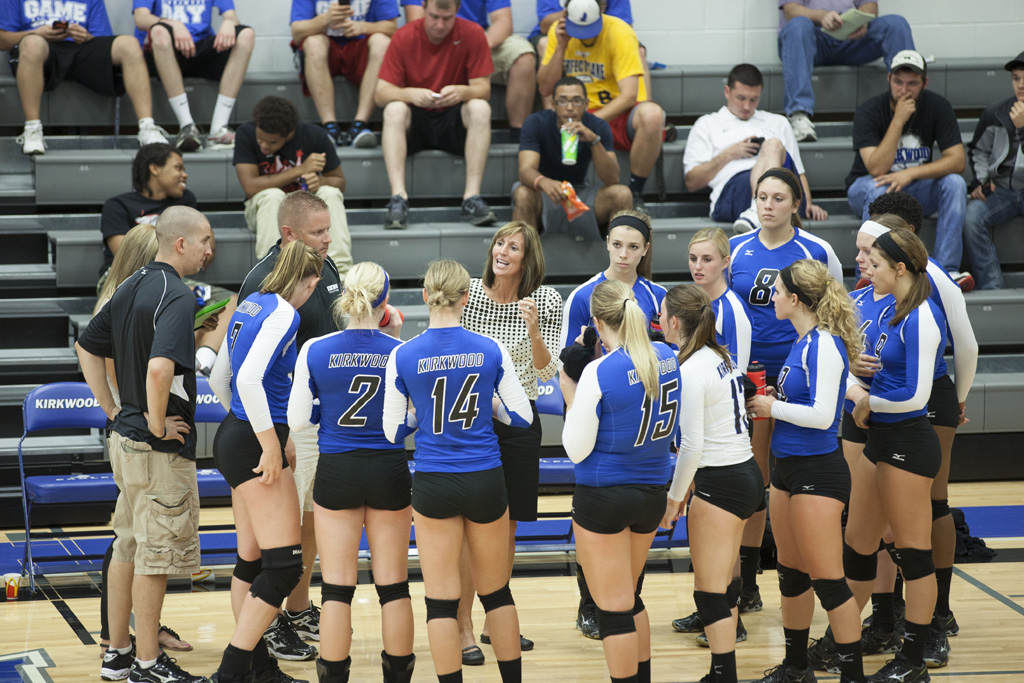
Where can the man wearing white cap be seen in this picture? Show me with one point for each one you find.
(604, 53)
(893, 135)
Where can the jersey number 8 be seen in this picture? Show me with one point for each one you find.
(761, 292)
(464, 409)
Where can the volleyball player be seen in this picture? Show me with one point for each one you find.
(755, 261)
(451, 374)
(811, 482)
(362, 479)
(714, 453)
(253, 452)
(619, 424)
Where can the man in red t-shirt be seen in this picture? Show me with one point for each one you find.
(434, 86)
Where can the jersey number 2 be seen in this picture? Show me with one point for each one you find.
(464, 409)
(664, 426)
(368, 385)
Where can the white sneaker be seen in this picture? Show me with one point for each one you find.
(746, 222)
(31, 141)
(803, 127)
(222, 139)
(150, 133)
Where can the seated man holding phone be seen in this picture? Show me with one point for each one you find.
(729, 149)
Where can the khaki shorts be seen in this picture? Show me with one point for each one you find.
(506, 54)
(307, 455)
(157, 514)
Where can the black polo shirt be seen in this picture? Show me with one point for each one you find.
(151, 315)
(315, 316)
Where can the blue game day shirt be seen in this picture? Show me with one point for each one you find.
(451, 374)
(732, 328)
(477, 11)
(576, 312)
(28, 15)
(196, 15)
(362, 10)
(616, 8)
(542, 135)
(345, 372)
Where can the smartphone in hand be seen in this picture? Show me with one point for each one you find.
(60, 25)
(757, 141)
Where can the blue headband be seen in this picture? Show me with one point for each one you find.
(384, 292)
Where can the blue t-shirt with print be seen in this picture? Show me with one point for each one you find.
(196, 15)
(477, 11)
(28, 15)
(362, 10)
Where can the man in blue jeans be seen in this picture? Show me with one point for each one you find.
(997, 194)
(803, 45)
(893, 135)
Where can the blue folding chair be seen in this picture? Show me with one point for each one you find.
(549, 397)
(208, 407)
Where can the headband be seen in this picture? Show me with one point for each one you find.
(874, 229)
(787, 279)
(632, 222)
(785, 177)
(886, 243)
(383, 293)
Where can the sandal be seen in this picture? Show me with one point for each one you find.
(525, 644)
(172, 641)
(472, 656)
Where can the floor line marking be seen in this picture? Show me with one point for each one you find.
(990, 591)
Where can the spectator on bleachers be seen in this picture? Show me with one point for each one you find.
(603, 52)
(276, 154)
(53, 42)
(995, 198)
(804, 44)
(515, 62)
(342, 39)
(731, 148)
(538, 197)
(893, 134)
(435, 86)
(178, 41)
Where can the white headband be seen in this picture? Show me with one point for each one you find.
(874, 229)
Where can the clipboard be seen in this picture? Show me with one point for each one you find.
(853, 19)
(208, 310)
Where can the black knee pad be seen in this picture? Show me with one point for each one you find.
(831, 592)
(859, 567)
(914, 563)
(712, 607)
(247, 570)
(392, 591)
(940, 508)
(442, 609)
(282, 570)
(499, 598)
(890, 549)
(614, 623)
(792, 582)
(336, 592)
(732, 593)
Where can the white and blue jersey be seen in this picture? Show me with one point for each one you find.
(614, 432)
(576, 312)
(869, 310)
(339, 382)
(256, 361)
(948, 296)
(732, 328)
(906, 353)
(450, 374)
(28, 15)
(810, 396)
(196, 15)
(753, 269)
(370, 11)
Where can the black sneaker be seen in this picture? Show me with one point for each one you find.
(115, 665)
(340, 137)
(166, 670)
(284, 643)
(787, 673)
(877, 642)
(638, 204)
(750, 600)
(396, 216)
(249, 678)
(949, 624)
(822, 655)
(362, 136)
(899, 670)
(741, 635)
(477, 212)
(189, 139)
(306, 623)
(936, 650)
(586, 622)
(689, 624)
(273, 674)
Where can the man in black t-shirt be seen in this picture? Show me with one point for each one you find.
(276, 154)
(538, 196)
(893, 135)
(147, 329)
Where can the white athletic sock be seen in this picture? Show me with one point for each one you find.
(148, 664)
(222, 112)
(34, 124)
(180, 106)
(121, 650)
(147, 122)
(205, 357)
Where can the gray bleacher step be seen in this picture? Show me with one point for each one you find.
(14, 394)
(16, 185)
(41, 446)
(27, 275)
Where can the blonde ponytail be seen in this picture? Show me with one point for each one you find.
(613, 303)
(446, 282)
(364, 284)
(830, 302)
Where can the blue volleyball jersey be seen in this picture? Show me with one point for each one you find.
(906, 352)
(451, 374)
(958, 331)
(576, 312)
(753, 269)
(344, 371)
(614, 432)
(261, 349)
(812, 383)
(732, 328)
(868, 310)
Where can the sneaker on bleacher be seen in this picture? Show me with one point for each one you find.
(803, 127)
(477, 211)
(965, 281)
(361, 135)
(396, 216)
(150, 133)
(189, 139)
(341, 137)
(222, 139)
(746, 222)
(31, 140)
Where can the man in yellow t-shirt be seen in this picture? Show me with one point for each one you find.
(603, 52)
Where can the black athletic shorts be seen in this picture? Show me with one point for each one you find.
(206, 63)
(442, 130)
(520, 460)
(738, 488)
(943, 404)
(236, 450)
(825, 475)
(850, 431)
(478, 496)
(611, 509)
(374, 478)
(89, 64)
(910, 445)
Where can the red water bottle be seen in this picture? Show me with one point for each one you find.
(757, 377)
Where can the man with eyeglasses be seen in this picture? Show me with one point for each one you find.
(538, 196)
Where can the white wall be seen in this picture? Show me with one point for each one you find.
(704, 31)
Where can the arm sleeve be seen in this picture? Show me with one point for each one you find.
(245, 145)
(868, 128)
(826, 369)
(302, 10)
(626, 57)
(224, 5)
(550, 331)
(575, 312)
(97, 338)
(529, 135)
(479, 63)
(114, 220)
(220, 376)
(579, 434)
(965, 344)
(392, 69)
(174, 328)
(605, 131)
(549, 51)
(698, 146)
(300, 402)
(921, 338)
(947, 130)
(272, 336)
(396, 400)
(691, 429)
(517, 410)
(835, 268)
(97, 22)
